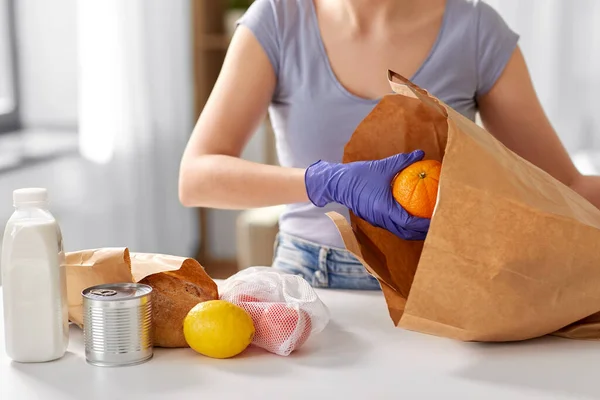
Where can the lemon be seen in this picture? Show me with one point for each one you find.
(218, 329)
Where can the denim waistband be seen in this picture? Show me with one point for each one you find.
(334, 254)
(321, 266)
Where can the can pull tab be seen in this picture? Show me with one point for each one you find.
(103, 292)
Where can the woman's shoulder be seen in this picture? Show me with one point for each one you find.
(281, 10)
(282, 27)
(477, 14)
(479, 30)
(478, 21)
(281, 18)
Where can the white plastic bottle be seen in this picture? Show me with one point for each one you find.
(36, 326)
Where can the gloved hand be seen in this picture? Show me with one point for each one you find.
(364, 187)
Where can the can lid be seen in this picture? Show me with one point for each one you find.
(116, 291)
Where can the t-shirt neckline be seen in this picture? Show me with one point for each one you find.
(317, 29)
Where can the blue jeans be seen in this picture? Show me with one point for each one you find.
(322, 267)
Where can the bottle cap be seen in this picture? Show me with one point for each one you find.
(30, 196)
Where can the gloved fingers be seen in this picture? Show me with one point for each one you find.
(408, 234)
(409, 227)
(417, 224)
(398, 162)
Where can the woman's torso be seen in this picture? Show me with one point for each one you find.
(313, 115)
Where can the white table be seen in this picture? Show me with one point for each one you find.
(360, 355)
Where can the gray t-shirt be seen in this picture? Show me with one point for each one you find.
(313, 115)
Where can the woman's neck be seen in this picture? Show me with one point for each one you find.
(369, 15)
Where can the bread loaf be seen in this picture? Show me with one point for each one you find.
(174, 294)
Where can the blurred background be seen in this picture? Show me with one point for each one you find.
(98, 98)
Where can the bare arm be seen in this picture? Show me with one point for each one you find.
(512, 112)
(212, 174)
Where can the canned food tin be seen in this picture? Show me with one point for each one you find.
(117, 324)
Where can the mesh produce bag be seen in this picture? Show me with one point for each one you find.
(285, 309)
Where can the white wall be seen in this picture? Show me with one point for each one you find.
(47, 47)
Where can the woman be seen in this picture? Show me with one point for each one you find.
(319, 67)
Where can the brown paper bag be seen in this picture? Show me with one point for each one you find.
(88, 268)
(511, 252)
(178, 284)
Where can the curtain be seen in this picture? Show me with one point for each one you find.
(136, 114)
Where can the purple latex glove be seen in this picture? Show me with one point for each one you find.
(364, 187)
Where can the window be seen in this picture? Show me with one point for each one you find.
(9, 117)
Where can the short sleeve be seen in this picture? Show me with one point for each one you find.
(496, 43)
(261, 19)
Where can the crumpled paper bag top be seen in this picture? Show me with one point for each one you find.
(511, 252)
(88, 268)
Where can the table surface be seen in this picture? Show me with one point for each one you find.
(358, 356)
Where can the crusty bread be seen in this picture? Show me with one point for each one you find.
(174, 294)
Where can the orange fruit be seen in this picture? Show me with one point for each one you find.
(416, 187)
